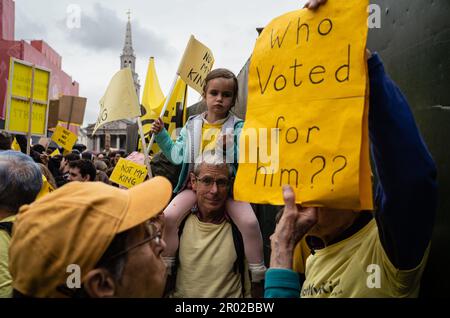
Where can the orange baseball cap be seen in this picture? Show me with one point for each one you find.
(75, 224)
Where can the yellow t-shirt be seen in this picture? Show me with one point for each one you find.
(210, 132)
(207, 255)
(5, 276)
(301, 253)
(359, 267)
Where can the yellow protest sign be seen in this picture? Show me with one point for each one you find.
(56, 152)
(196, 63)
(64, 138)
(120, 100)
(305, 112)
(18, 117)
(19, 94)
(128, 173)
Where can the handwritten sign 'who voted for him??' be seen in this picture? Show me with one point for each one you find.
(64, 138)
(307, 87)
(128, 173)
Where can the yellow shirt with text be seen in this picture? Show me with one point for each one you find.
(359, 267)
(210, 132)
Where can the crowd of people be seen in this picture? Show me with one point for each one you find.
(86, 237)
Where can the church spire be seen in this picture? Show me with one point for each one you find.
(128, 59)
(128, 46)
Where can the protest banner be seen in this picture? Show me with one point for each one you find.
(307, 110)
(128, 174)
(64, 138)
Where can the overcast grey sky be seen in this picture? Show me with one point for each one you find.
(91, 53)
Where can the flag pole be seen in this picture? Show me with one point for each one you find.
(30, 117)
(147, 159)
(163, 110)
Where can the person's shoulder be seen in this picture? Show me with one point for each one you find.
(238, 122)
(5, 240)
(194, 117)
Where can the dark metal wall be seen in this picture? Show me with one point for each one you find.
(414, 43)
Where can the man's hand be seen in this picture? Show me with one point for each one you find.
(314, 4)
(157, 126)
(44, 158)
(293, 225)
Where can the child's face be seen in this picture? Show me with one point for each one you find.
(219, 96)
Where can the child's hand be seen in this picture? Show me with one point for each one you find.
(157, 126)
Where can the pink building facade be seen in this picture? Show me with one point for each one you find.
(37, 52)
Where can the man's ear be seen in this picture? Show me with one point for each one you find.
(87, 178)
(193, 181)
(99, 283)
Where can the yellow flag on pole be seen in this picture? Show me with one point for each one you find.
(196, 63)
(174, 116)
(152, 97)
(120, 100)
(152, 102)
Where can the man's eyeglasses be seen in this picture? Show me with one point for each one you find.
(154, 234)
(221, 183)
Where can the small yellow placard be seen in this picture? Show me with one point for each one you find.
(128, 173)
(64, 138)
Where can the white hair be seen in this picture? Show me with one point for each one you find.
(210, 158)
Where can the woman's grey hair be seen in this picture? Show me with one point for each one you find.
(212, 159)
(20, 180)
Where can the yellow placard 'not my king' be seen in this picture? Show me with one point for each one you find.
(305, 111)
